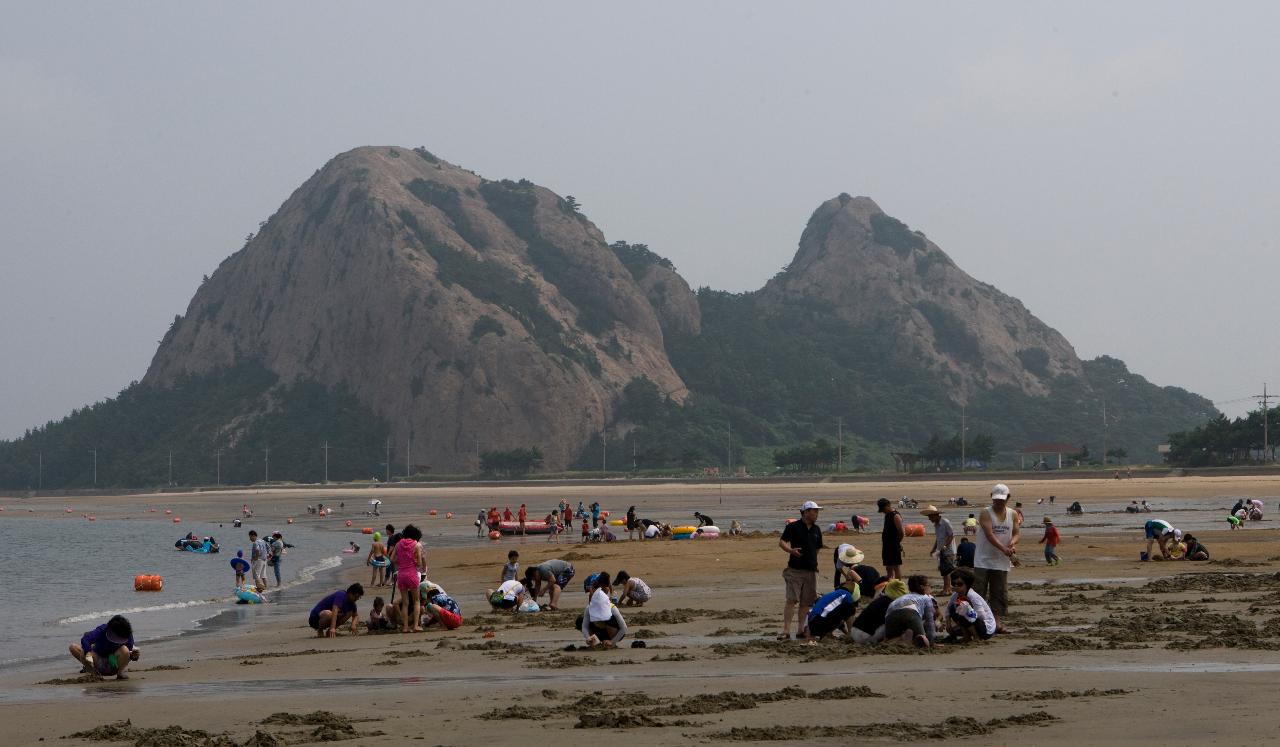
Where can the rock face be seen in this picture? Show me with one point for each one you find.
(474, 315)
(872, 269)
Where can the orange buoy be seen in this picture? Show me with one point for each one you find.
(348, 522)
(289, 520)
(69, 509)
(367, 530)
(432, 512)
(145, 582)
(177, 520)
(447, 516)
(495, 534)
(151, 510)
(913, 530)
(605, 514)
(93, 518)
(167, 512)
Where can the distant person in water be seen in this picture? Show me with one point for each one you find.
(108, 649)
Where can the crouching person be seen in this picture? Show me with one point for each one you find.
(911, 618)
(969, 617)
(108, 649)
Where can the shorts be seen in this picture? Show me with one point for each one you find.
(900, 621)
(259, 568)
(637, 595)
(993, 586)
(891, 555)
(1151, 532)
(563, 579)
(407, 580)
(978, 626)
(802, 586)
(946, 563)
(450, 620)
(820, 626)
(314, 621)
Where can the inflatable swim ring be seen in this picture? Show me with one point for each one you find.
(380, 562)
(712, 528)
(240, 565)
(681, 535)
(683, 530)
(249, 595)
(617, 522)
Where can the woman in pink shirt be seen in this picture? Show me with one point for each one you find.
(409, 561)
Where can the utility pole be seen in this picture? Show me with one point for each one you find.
(840, 444)
(170, 467)
(729, 454)
(633, 451)
(604, 451)
(963, 438)
(326, 462)
(218, 455)
(266, 464)
(388, 458)
(1266, 433)
(95, 466)
(1105, 431)
(408, 455)
(477, 456)
(40, 473)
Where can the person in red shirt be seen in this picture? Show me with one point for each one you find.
(523, 514)
(1050, 541)
(506, 514)
(586, 530)
(494, 518)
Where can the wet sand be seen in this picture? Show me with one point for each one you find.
(1104, 648)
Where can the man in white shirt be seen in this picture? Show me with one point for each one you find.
(996, 549)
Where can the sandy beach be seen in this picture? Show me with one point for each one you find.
(1103, 649)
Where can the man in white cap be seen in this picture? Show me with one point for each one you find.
(801, 540)
(997, 543)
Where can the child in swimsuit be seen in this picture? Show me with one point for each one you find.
(378, 559)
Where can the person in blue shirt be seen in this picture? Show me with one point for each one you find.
(107, 649)
(335, 609)
(833, 611)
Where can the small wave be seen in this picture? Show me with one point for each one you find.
(306, 575)
(133, 611)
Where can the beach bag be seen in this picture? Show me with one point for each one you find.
(528, 605)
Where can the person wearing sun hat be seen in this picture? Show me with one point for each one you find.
(997, 546)
(1050, 541)
(943, 537)
(801, 540)
(107, 649)
(847, 557)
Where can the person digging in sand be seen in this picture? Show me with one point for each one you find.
(833, 611)
(1161, 533)
(968, 615)
(555, 574)
(108, 649)
(911, 618)
(335, 609)
(601, 623)
(635, 592)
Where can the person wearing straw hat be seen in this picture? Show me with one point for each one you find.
(997, 547)
(801, 540)
(1050, 541)
(847, 556)
(943, 537)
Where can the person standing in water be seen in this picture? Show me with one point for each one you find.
(997, 545)
(377, 558)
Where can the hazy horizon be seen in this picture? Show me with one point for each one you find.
(1107, 165)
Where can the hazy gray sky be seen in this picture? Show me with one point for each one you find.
(1113, 165)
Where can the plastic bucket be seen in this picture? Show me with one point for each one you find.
(1143, 555)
